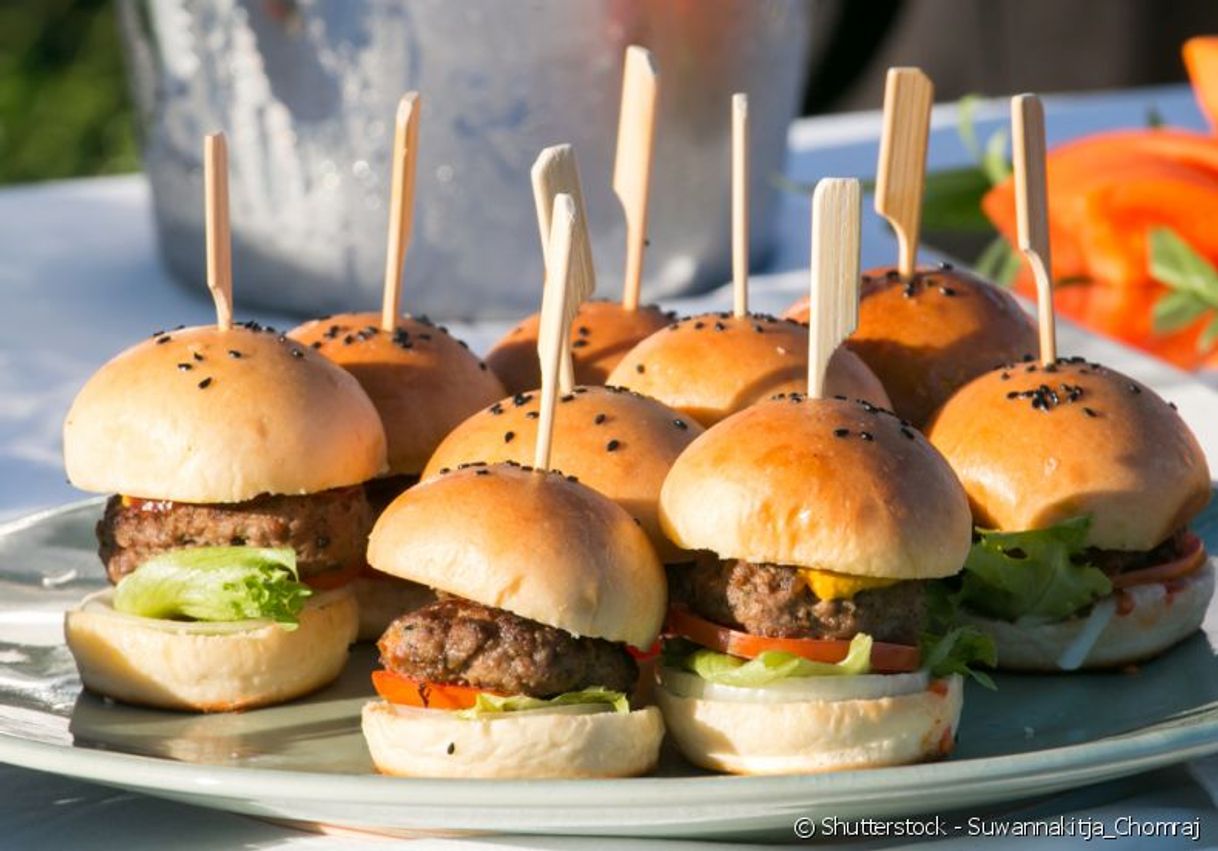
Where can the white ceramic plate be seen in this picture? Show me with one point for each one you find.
(307, 762)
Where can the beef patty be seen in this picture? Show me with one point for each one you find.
(1113, 562)
(328, 530)
(773, 600)
(382, 491)
(457, 641)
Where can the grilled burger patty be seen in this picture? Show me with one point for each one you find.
(773, 600)
(458, 641)
(1113, 562)
(328, 530)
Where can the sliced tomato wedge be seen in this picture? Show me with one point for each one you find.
(397, 689)
(337, 578)
(885, 658)
(640, 655)
(1192, 558)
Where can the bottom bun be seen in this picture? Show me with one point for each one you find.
(1153, 618)
(436, 743)
(383, 599)
(209, 667)
(810, 736)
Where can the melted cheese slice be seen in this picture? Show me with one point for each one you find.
(828, 585)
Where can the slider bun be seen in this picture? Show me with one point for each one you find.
(805, 737)
(1132, 463)
(204, 667)
(649, 436)
(421, 393)
(926, 345)
(435, 743)
(267, 421)
(774, 484)
(530, 542)
(612, 331)
(710, 366)
(1159, 619)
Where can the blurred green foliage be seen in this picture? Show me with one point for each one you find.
(64, 104)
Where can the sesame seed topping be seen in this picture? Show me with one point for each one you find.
(599, 418)
(508, 436)
(233, 353)
(160, 341)
(612, 445)
(198, 357)
(1090, 412)
(947, 291)
(905, 431)
(719, 326)
(185, 366)
(866, 435)
(297, 353)
(1172, 405)
(482, 472)
(578, 344)
(316, 344)
(531, 415)
(841, 432)
(1133, 388)
(681, 424)
(583, 330)
(639, 368)
(569, 397)
(205, 383)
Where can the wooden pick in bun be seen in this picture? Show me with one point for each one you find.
(1082, 483)
(927, 336)
(422, 381)
(796, 647)
(521, 668)
(237, 458)
(601, 331)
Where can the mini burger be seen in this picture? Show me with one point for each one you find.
(423, 383)
(1082, 483)
(520, 668)
(800, 643)
(712, 365)
(927, 336)
(237, 460)
(601, 335)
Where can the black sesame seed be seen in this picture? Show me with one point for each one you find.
(452, 748)
(233, 353)
(569, 397)
(599, 418)
(947, 291)
(1133, 388)
(348, 340)
(482, 472)
(719, 326)
(578, 344)
(205, 383)
(160, 341)
(639, 368)
(297, 353)
(198, 357)
(184, 367)
(1090, 412)
(444, 471)
(866, 435)
(508, 436)
(1172, 405)
(573, 479)
(316, 344)
(612, 446)
(482, 366)
(681, 424)
(698, 326)
(841, 432)
(583, 330)
(907, 432)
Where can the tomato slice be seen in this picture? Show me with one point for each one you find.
(397, 689)
(1191, 559)
(337, 578)
(885, 658)
(640, 655)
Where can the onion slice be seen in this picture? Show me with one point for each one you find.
(798, 689)
(1077, 651)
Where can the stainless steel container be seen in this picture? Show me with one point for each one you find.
(306, 90)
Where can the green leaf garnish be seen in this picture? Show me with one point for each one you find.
(1193, 282)
(1036, 574)
(493, 704)
(768, 667)
(999, 262)
(216, 584)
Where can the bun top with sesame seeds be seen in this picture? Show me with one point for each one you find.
(422, 380)
(713, 365)
(616, 442)
(210, 416)
(1035, 445)
(601, 334)
(829, 484)
(927, 337)
(528, 541)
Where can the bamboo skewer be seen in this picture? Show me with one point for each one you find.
(556, 172)
(559, 302)
(632, 164)
(401, 204)
(219, 235)
(901, 171)
(740, 204)
(1032, 210)
(834, 297)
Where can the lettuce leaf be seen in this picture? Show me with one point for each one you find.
(1036, 574)
(493, 704)
(957, 651)
(216, 584)
(769, 667)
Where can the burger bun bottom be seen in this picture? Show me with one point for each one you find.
(204, 667)
(411, 742)
(1157, 618)
(812, 736)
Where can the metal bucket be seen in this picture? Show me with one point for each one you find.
(306, 92)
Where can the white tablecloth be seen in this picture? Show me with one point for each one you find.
(80, 280)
